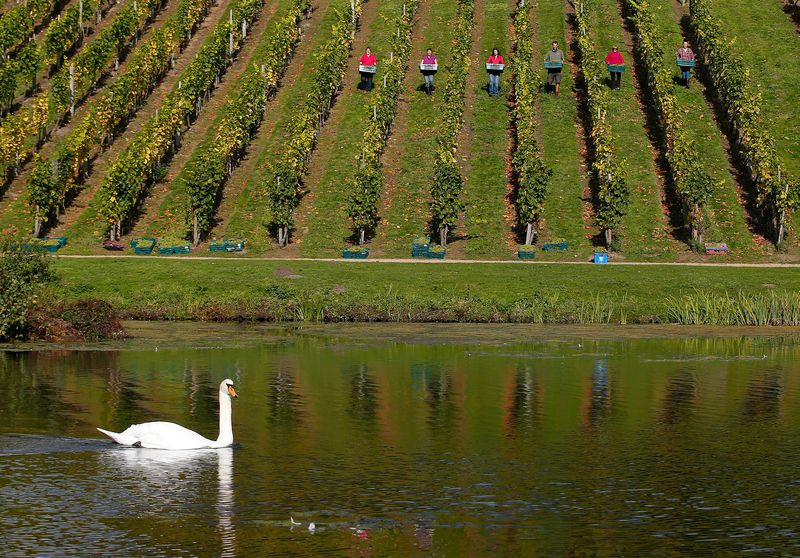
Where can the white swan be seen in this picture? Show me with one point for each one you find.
(168, 435)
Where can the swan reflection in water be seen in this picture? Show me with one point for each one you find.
(168, 481)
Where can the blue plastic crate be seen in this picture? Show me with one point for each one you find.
(355, 254)
(217, 246)
(234, 245)
(686, 63)
(554, 246)
(526, 254)
(600, 257)
(436, 255)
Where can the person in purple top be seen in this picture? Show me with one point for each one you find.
(429, 58)
(685, 53)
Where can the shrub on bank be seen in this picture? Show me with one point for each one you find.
(22, 274)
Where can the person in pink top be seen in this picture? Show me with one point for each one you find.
(367, 59)
(429, 58)
(614, 58)
(494, 75)
(685, 53)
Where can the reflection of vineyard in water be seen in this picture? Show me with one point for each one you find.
(90, 152)
(417, 444)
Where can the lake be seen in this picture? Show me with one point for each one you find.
(443, 440)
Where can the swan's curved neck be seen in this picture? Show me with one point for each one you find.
(225, 429)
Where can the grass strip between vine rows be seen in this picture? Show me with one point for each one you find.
(53, 180)
(365, 188)
(778, 193)
(448, 184)
(331, 63)
(563, 218)
(487, 140)
(130, 175)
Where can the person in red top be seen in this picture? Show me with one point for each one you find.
(367, 59)
(494, 75)
(614, 58)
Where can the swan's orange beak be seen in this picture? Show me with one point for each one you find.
(231, 391)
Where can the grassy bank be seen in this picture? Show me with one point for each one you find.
(341, 291)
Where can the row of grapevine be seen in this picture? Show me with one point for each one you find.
(741, 98)
(692, 182)
(18, 23)
(531, 174)
(365, 189)
(53, 180)
(448, 182)
(132, 172)
(26, 65)
(613, 194)
(331, 63)
(18, 130)
(214, 160)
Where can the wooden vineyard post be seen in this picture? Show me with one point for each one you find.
(72, 89)
(230, 33)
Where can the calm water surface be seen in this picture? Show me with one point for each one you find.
(412, 440)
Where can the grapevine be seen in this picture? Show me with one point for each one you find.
(531, 174)
(448, 182)
(777, 193)
(613, 194)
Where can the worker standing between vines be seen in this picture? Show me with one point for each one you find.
(554, 74)
(429, 58)
(494, 75)
(685, 53)
(614, 58)
(367, 59)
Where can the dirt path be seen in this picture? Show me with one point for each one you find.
(104, 161)
(235, 185)
(327, 138)
(423, 261)
(150, 208)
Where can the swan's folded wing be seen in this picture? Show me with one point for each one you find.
(166, 435)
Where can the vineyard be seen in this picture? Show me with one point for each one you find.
(218, 123)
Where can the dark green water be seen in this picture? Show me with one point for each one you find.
(408, 440)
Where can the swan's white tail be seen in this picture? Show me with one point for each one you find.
(119, 438)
